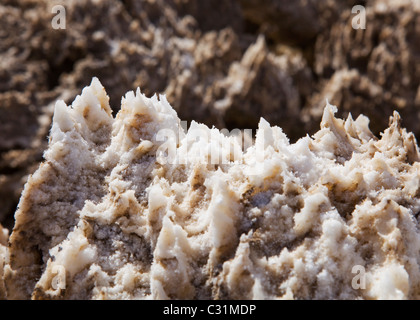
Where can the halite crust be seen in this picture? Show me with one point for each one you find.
(290, 224)
(4, 234)
(206, 57)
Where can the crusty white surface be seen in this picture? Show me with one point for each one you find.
(286, 221)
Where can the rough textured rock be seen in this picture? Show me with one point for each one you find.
(4, 234)
(125, 213)
(295, 22)
(210, 59)
(200, 63)
(188, 50)
(262, 84)
(372, 71)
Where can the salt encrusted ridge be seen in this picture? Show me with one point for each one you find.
(289, 222)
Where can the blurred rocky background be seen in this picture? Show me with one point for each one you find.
(221, 62)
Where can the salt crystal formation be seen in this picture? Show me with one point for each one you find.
(223, 63)
(3, 252)
(121, 223)
(196, 52)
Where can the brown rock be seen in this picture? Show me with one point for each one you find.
(383, 62)
(296, 22)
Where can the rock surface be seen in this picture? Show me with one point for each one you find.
(222, 63)
(374, 71)
(132, 206)
(198, 57)
(4, 234)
